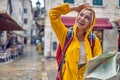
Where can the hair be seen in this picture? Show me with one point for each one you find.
(93, 14)
(92, 17)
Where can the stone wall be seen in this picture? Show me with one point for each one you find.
(110, 39)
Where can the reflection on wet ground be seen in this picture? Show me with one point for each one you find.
(29, 66)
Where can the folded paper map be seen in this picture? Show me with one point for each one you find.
(102, 67)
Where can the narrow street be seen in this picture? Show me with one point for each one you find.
(29, 66)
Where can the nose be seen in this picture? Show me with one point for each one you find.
(81, 18)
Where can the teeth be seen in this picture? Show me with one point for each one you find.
(80, 23)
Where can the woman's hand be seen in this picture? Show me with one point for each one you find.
(114, 51)
(80, 7)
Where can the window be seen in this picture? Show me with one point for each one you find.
(25, 21)
(98, 2)
(69, 1)
(10, 7)
(119, 3)
(25, 10)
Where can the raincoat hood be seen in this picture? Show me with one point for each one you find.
(90, 28)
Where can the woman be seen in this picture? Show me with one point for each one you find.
(79, 51)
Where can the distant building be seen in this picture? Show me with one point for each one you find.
(39, 16)
(22, 14)
(28, 22)
(17, 15)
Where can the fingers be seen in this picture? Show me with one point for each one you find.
(114, 51)
(82, 6)
(86, 5)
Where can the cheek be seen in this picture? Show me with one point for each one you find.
(87, 23)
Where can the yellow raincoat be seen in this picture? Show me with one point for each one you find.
(70, 68)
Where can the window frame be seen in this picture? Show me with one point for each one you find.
(25, 21)
(103, 4)
(118, 3)
(68, 1)
(25, 10)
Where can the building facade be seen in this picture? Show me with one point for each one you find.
(17, 15)
(20, 12)
(5, 8)
(105, 28)
(28, 22)
(23, 15)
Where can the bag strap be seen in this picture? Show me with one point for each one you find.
(68, 40)
(91, 39)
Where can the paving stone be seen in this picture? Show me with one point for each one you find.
(29, 66)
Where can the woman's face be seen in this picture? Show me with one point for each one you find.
(84, 19)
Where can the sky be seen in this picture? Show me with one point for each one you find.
(34, 3)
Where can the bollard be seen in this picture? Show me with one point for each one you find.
(39, 48)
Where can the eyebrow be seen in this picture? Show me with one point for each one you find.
(86, 14)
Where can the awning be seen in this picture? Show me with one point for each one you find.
(7, 23)
(68, 21)
(118, 23)
(101, 23)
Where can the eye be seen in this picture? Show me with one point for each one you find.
(81, 14)
(87, 17)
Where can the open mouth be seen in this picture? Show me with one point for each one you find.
(80, 24)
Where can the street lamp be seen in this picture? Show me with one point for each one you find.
(38, 4)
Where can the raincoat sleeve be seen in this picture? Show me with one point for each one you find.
(97, 48)
(56, 23)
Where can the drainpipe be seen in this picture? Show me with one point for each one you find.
(10, 6)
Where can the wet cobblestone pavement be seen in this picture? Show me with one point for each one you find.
(29, 66)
